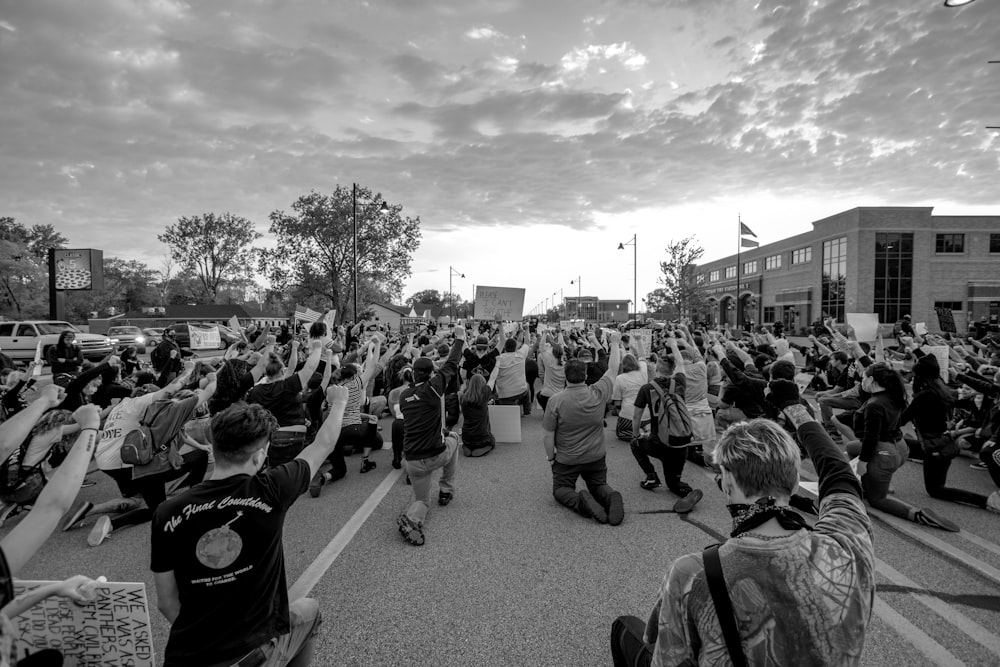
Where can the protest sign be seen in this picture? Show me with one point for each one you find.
(920, 328)
(946, 320)
(113, 630)
(865, 326)
(940, 352)
(234, 324)
(509, 328)
(645, 336)
(204, 338)
(37, 370)
(505, 422)
(499, 303)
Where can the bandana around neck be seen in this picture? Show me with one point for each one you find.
(747, 517)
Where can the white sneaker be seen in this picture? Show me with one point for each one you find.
(993, 502)
(100, 531)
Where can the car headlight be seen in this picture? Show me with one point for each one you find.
(113, 341)
(140, 339)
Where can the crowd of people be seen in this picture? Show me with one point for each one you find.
(201, 448)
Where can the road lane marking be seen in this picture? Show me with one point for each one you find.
(946, 611)
(312, 574)
(979, 542)
(931, 650)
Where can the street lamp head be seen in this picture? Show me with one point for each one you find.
(957, 3)
(621, 246)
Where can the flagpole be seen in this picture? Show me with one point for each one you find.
(739, 242)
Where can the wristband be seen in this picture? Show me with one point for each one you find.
(90, 428)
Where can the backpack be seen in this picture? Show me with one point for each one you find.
(139, 448)
(673, 421)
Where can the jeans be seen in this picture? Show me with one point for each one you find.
(521, 399)
(887, 459)
(420, 471)
(672, 458)
(828, 403)
(595, 476)
(935, 476)
(304, 619)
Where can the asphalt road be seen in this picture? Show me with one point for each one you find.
(510, 577)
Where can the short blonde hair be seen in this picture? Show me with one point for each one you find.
(761, 456)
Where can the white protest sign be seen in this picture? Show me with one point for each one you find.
(509, 328)
(505, 422)
(113, 630)
(499, 303)
(920, 328)
(865, 326)
(204, 338)
(645, 336)
(939, 352)
(37, 370)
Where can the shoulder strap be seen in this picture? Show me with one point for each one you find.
(723, 606)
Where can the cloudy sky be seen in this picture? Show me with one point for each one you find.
(531, 137)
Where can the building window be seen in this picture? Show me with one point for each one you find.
(772, 262)
(714, 276)
(730, 272)
(948, 305)
(835, 277)
(802, 255)
(949, 243)
(893, 275)
(750, 267)
(700, 279)
(995, 243)
(768, 314)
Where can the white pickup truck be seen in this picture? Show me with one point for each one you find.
(19, 340)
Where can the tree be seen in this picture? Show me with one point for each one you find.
(681, 289)
(314, 247)
(214, 248)
(429, 296)
(24, 267)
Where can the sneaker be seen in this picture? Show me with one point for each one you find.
(100, 531)
(589, 507)
(687, 503)
(8, 512)
(682, 489)
(444, 498)
(410, 531)
(78, 516)
(928, 517)
(616, 508)
(979, 465)
(993, 502)
(367, 465)
(650, 483)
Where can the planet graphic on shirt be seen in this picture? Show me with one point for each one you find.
(220, 547)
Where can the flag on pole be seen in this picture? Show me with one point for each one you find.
(306, 314)
(748, 243)
(234, 324)
(744, 230)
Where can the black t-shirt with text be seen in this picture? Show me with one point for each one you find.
(222, 540)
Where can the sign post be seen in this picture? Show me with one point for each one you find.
(72, 270)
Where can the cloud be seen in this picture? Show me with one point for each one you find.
(580, 59)
(486, 32)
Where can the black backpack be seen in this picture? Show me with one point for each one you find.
(139, 446)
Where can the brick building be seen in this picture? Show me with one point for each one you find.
(891, 261)
(595, 310)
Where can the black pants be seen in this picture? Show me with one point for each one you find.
(991, 457)
(153, 489)
(595, 476)
(672, 458)
(520, 399)
(627, 646)
(397, 440)
(531, 374)
(935, 476)
(543, 400)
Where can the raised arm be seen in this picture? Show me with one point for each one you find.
(312, 361)
(15, 430)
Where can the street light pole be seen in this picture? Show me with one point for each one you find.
(579, 294)
(354, 202)
(635, 272)
(451, 293)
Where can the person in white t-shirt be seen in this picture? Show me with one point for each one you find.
(634, 374)
(512, 382)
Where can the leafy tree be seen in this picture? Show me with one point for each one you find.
(24, 267)
(215, 248)
(429, 296)
(681, 289)
(314, 247)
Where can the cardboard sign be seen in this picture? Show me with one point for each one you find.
(865, 326)
(204, 338)
(114, 630)
(920, 328)
(644, 336)
(505, 422)
(946, 320)
(499, 303)
(940, 353)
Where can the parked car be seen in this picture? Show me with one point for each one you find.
(228, 336)
(19, 340)
(153, 335)
(127, 336)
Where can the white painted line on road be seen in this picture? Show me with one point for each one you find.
(312, 575)
(984, 570)
(980, 542)
(933, 651)
(946, 611)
